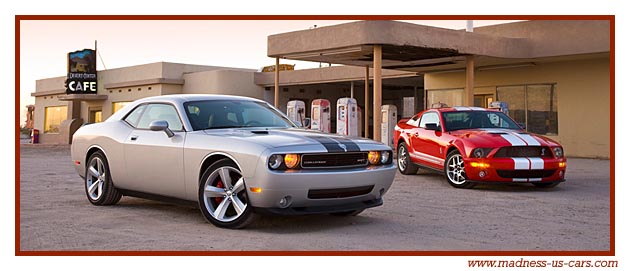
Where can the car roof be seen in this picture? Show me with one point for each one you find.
(181, 98)
(460, 108)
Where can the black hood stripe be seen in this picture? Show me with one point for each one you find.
(337, 144)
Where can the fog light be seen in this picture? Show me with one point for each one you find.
(285, 202)
(479, 165)
(482, 174)
(561, 173)
(562, 164)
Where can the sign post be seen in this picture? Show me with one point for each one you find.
(81, 72)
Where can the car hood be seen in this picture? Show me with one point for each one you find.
(295, 136)
(503, 137)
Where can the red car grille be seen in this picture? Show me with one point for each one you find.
(523, 151)
(337, 160)
(536, 173)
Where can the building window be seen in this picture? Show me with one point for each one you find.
(118, 105)
(533, 105)
(450, 97)
(53, 116)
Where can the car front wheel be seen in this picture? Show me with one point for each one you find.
(99, 187)
(405, 166)
(454, 170)
(223, 197)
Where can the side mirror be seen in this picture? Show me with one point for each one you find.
(433, 127)
(161, 125)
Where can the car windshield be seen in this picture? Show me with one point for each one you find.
(218, 114)
(459, 120)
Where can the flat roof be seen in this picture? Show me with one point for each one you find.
(422, 48)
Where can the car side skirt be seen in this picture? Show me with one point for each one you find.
(155, 197)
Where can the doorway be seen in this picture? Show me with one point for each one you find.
(484, 100)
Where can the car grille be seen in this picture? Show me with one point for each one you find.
(336, 160)
(339, 192)
(536, 173)
(524, 151)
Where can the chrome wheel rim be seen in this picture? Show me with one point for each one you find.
(402, 158)
(455, 169)
(95, 178)
(224, 194)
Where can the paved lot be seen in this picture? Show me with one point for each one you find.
(420, 213)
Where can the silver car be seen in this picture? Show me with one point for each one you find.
(234, 157)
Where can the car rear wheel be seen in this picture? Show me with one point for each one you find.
(546, 185)
(405, 166)
(454, 170)
(98, 181)
(223, 197)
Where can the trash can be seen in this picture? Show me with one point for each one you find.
(34, 136)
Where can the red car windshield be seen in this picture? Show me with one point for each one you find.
(460, 120)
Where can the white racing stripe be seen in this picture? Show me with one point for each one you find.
(514, 140)
(521, 163)
(535, 179)
(519, 180)
(530, 140)
(537, 163)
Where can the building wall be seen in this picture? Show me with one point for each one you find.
(231, 82)
(41, 104)
(583, 98)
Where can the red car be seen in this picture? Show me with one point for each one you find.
(471, 145)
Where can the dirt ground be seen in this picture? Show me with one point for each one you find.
(420, 213)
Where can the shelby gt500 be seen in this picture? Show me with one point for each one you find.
(233, 157)
(471, 144)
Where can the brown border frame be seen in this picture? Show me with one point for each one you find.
(610, 18)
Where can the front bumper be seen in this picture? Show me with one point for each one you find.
(532, 169)
(294, 186)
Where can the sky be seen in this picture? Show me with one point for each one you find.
(242, 44)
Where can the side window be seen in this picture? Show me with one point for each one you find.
(429, 117)
(415, 121)
(134, 116)
(155, 112)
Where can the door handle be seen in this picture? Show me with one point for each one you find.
(134, 137)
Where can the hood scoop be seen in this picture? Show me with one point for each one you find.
(260, 132)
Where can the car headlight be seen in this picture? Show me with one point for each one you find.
(275, 161)
(558, 152)
(480, 152)
(385, 157)
(374, 157)
(291, 160)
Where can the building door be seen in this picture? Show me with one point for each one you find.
(96, 115)
(483, 100)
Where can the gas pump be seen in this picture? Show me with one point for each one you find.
(347, 116)
(360, 120)
(296, 111)
(389, 114)
(320, 115)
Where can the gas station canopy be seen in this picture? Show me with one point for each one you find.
(420, 48)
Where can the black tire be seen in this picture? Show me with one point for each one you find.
(235, 212)
(454, 170)
(404, 164)
(99, 188)
(348, 213)
(546, 185)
